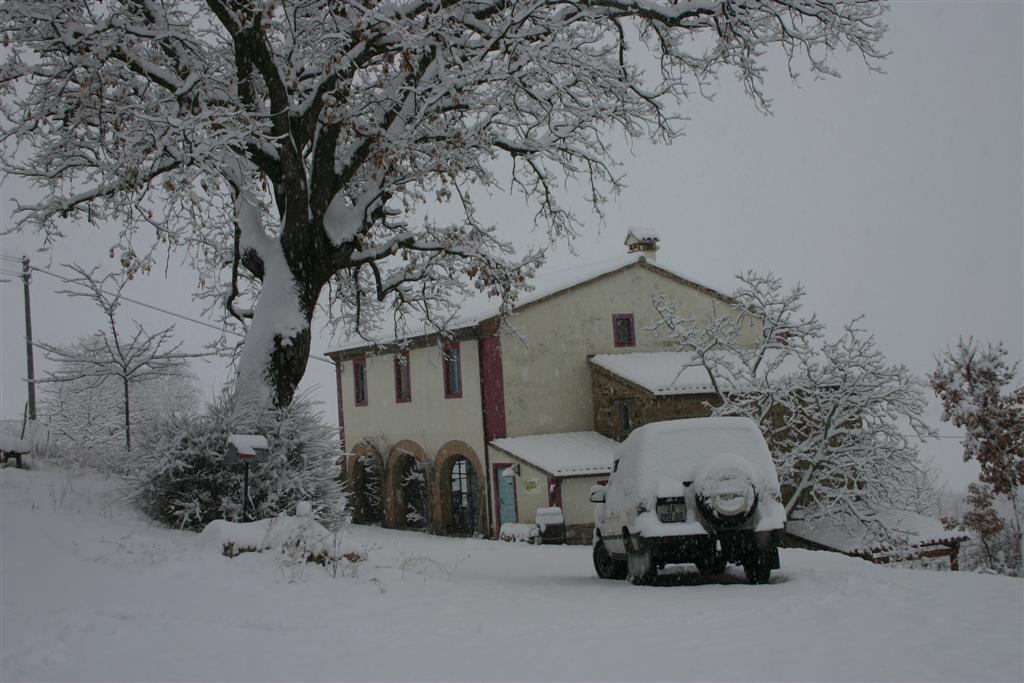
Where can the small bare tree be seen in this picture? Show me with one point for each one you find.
(110, 354)
(834, 413)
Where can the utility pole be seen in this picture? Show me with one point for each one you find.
(26, 275)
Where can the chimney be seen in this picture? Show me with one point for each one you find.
(643, 240)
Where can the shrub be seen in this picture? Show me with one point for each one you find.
(186, 481)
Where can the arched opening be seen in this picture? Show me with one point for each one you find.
(412, 492)
(367, 489)
(464, 498)
(459, 491)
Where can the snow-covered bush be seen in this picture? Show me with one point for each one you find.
(84, 418)
(187, 481)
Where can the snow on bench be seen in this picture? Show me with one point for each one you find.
(11, 447)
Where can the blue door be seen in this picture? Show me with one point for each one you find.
(506, 486)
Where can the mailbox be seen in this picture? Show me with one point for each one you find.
(247, 448)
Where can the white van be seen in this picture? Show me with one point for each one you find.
(701, 490)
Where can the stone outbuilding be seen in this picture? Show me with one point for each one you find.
(921, 538)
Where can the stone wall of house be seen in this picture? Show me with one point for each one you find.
(609, 392)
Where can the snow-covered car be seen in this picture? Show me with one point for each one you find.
(701, 491)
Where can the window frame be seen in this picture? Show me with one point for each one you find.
(402, 363)
(447, 363)
(359, 373)
(623, 417)
(628, 343)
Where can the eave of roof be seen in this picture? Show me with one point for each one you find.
(564, 454)
(468, 324)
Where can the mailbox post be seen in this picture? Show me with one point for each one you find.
(247, 449)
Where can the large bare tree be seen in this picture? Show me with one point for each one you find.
(288, 144)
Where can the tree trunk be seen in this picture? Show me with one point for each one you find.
(276, 348)
(127, 417)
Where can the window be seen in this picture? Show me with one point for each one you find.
(359, 380)
(403, 383)
(452, 370)
(622, 329)
(622, 406)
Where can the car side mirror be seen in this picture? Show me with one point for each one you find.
(596, 493)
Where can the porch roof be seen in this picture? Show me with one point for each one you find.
(568, 454)
(672, 373)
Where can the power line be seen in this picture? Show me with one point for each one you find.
(165, 311)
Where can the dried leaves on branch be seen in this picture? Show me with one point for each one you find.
(975, 383)
(291, 145)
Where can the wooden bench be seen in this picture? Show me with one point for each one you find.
(13, 448)
(7, 455)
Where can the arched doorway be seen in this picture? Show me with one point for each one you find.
(459, 491)
(367, 489)
(412, 492)
(464, 501)
(407, 497)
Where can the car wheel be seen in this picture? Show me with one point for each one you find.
(640, 569)
(711, 566)
(607, 567)
(757, 568)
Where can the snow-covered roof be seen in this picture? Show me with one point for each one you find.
(852, 537)
(668, 373)
(663, 373)
(545, 284)
(642, 233)
(567, 454)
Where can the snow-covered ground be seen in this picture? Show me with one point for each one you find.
(92, 591)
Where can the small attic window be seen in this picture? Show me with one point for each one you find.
(623, 330)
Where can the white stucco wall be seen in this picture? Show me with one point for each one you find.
(429, 419)
(576, 505)
(544, 363)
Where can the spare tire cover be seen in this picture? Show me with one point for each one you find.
(724, 489)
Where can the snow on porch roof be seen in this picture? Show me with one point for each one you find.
(663, 373)
(569, 454)
(545, 284)
(853, 538)
(668, 373)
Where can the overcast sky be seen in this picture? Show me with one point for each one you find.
(897, 196)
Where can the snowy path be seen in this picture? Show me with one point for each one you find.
(91, 591)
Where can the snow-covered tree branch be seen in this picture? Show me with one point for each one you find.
(288, 144)
(836, 414)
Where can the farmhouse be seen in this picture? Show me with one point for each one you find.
(461, 434)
